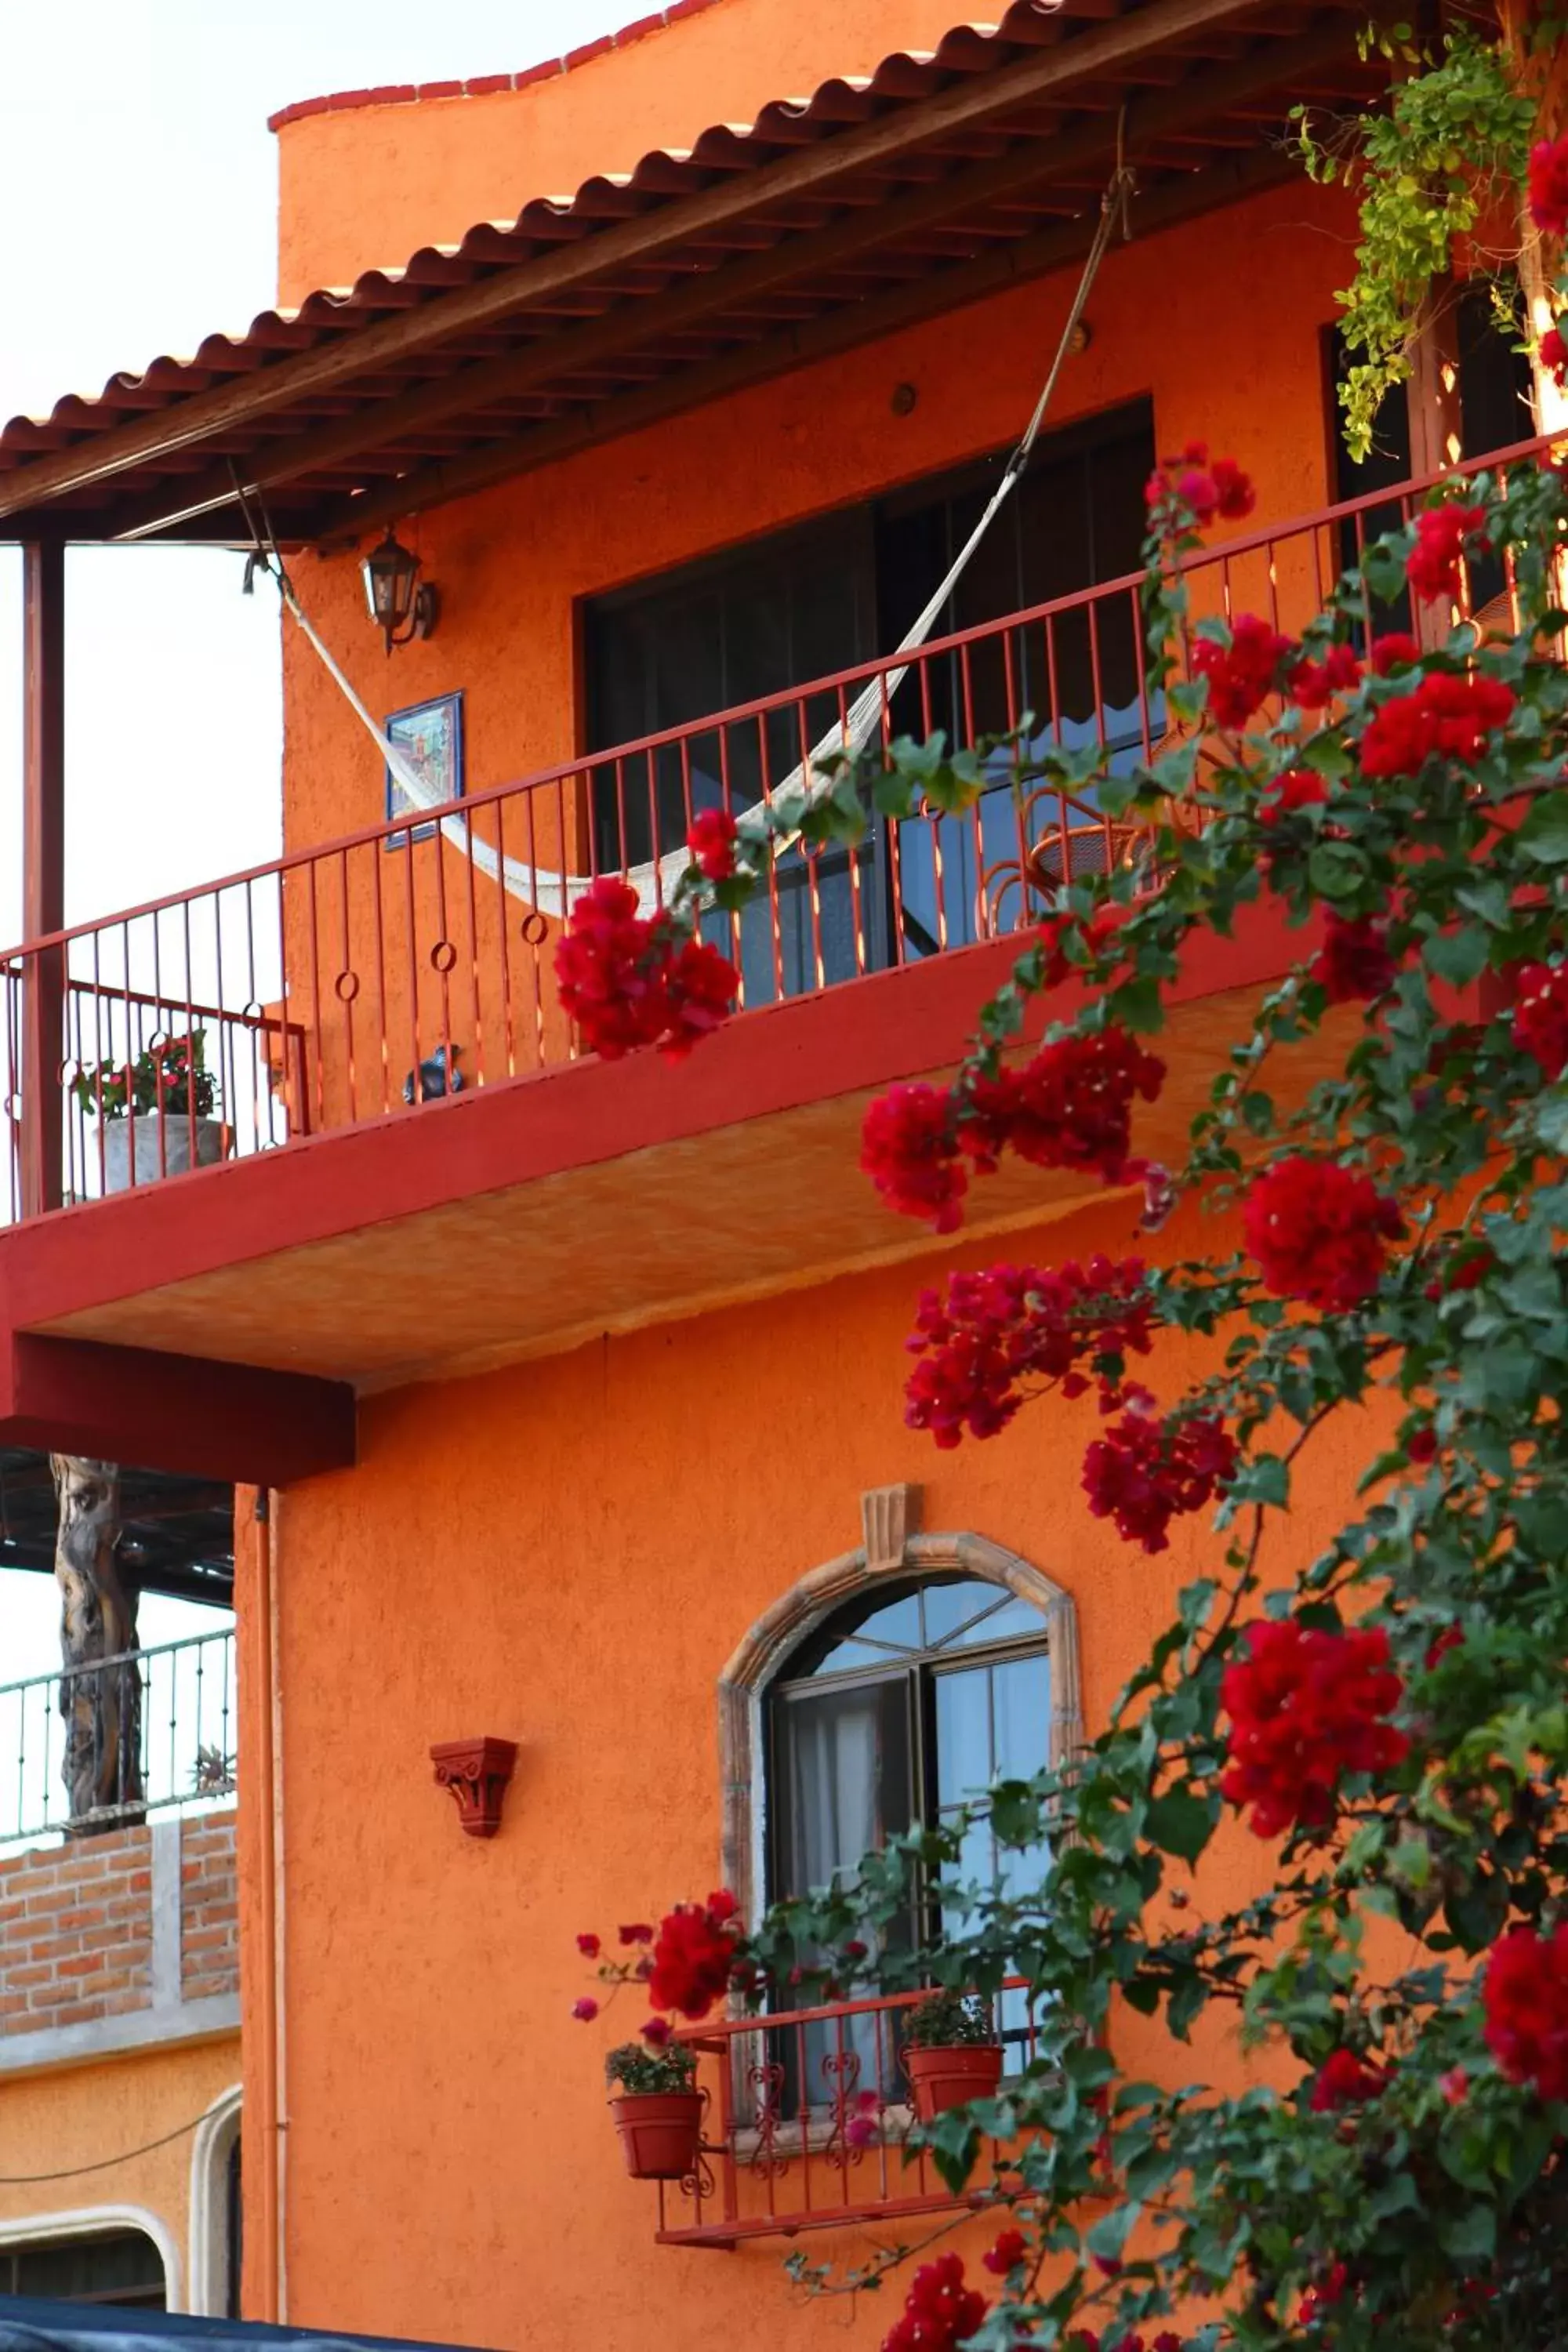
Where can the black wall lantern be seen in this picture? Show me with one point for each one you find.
(402, 605)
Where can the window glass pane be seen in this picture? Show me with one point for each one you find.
(1014, 1618)
(122, 2266)
(847, 1788)
(949, 1606)
(899, 1621)
(1021, 1691)
(963, 1735)
(846, 1655)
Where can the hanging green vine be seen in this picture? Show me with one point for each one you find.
(1454, 142)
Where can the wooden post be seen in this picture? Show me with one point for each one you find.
(103, 1763)
(43, 870)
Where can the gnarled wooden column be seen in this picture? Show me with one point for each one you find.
(103, 1763)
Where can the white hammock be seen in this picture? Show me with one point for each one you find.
(556, 893)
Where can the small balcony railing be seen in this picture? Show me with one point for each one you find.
(808, 2124)
(344, 983)
(99, 1746)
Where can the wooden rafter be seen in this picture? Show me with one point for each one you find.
(941, 206)
(1107, 48)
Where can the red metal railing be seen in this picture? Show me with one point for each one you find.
(809, 2126)
(343, 982)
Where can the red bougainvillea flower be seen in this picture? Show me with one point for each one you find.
(1285, 796)
(864, 2121)
(1455, 2086)
(1438, 1647)
(1354, 963)
(995, 1330)
(657, 2032)
(1243, 674)
(1096, 934)
(1345, 2080)
(938, 2312)
(1071, 1107)
(1006, 2253)
(1395, 651)
(1446, 717)
(1312, 685)
(589, 1946)
(1548, 186)
(1468, 1268)
(1421, 1445)
(1541, 1015)
(630, 980)
(1208, 489)
(1320, 2300)
(1318, 1232)
(585, 2008)
(711, 841)
(694, 1955)
(1305, 1707)
(910, 1151)
(1525, 1999)
(1442, 534)
(1146, 1470)
(636, 1934)
(1553, 354)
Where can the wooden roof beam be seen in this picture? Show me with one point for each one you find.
(1106, 48)
(931, 294)
(547, 359)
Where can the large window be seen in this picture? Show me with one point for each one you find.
(795, 605)
(116, 2266)
(900, 1708)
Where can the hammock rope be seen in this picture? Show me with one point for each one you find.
(548, 892)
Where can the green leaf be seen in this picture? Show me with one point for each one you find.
(1181, 1822)
(1458, 957)
(1470, 2236)
(1544, 835)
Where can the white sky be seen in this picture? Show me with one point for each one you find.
(138, 187)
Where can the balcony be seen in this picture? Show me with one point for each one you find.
(346, 1225)
(122, 1934)
(808, 2126)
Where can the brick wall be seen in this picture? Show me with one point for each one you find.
(209, 1909)
(131, 1926)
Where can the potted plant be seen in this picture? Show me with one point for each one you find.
(659, 2114)
(157, 1111)
(950, 2052)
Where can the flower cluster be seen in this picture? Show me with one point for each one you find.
(1442, 535)
(939, 2311)
(1526, 2001)
(1241, 675)
(694, 1955)
(1345, 2079)
(1086, 2340)
(1320, 2300)
(1395, 651)
(1290, 792)
(630, 980)
(910, 1151)
(1552, 354)
(1147, 1469)
(1202, 486)
(1318, 1232)
(1070, 1106)
(711, 841)
(1006, 2253)
(1305, 1707)
(1548, 186)
(1312, 685)
(1541, 1015)
(1354, 963)
(1448, 717)
(996, 1329)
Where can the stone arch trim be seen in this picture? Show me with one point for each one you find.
(96, 2221)
(209, 2247)
(744, 1683)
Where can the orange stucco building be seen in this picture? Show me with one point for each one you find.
(565, 1406)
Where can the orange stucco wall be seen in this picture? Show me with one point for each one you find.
(364, 187)
(73, 2117)
(566, 1554)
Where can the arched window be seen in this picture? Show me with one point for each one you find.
(68, 2260)
(887, 1682)
(905, 1702)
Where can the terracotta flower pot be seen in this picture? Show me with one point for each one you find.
(661, 2132)
(949, 2075)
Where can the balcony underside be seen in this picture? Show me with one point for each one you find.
(525, 1218)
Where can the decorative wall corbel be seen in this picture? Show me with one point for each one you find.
(476, 1772)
